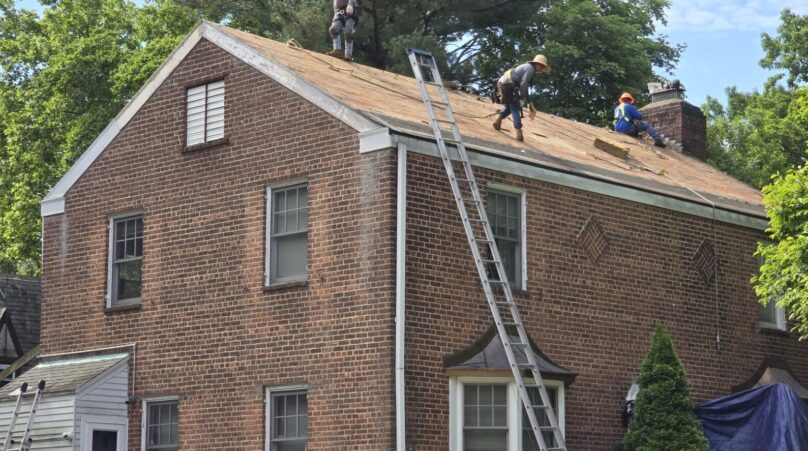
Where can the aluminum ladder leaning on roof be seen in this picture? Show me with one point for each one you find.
(25, 443)
(486, 257)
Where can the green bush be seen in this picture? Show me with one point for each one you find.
(663, 416)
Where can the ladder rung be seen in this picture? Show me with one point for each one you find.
(432, 83)
(485, 241)
(497, 282)
(471, 199)
(515, 343)
(490, 262)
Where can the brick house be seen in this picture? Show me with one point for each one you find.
(268, 238)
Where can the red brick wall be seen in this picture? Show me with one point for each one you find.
(594, 319)
(680, 121)
(207, 331)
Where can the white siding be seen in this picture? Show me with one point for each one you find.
(103, 397)
(54, 417)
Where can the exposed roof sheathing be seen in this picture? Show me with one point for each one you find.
(550, 141)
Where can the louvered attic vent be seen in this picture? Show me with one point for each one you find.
(205, 113)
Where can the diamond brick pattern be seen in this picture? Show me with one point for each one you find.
(592, 240)
(705, 260)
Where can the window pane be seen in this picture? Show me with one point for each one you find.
(289, 421)
(476, 440)
(162, 426)
(279, 203)
(768, 313)
(291, 446)
(128, 279)
(291, 256)
(105, 441)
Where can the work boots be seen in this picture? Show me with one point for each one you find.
(519, 135)
(334, 52)
(498, 123)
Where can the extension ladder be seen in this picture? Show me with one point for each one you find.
(25, 443)
(486, 257)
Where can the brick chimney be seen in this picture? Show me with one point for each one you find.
(677, 119)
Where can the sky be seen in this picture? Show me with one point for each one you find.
(722, 38)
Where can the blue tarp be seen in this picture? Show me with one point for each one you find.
(768, 418)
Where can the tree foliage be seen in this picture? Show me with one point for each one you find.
(759, 135)
(784, 273)
(663, 416)
(63, 76)
(597, 49)
(789, 49)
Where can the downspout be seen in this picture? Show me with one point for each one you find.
(401, 253)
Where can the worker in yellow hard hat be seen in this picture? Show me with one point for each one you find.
(513, 91)
(628, 120)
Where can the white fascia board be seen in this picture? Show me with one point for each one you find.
(488, 161)
(374, 140)
(54, 202)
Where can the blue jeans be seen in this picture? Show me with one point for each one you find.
(514, 109)
(641, 126)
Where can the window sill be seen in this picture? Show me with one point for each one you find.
(207, 145)
(285, 285)
(123, 308)
(770, 329)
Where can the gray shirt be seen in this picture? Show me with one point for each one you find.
(521, 76)
(340, 5)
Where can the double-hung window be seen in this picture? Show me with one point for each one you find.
(506, 216)
(126, 260)
(288, 420)
(771, 316)
(487, 414)
(205, 113)
(287, 227)
(161, 425)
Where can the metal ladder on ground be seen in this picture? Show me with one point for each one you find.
(25, 443)
(486, 256)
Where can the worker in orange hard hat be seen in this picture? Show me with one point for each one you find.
(628, 120)
(513, 87)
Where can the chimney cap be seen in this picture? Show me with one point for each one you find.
(666, 91)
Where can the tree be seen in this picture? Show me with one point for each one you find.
(763, 134)
(758, 134)
(597, 49)
(63, 76)
(788, 50)
(663, 416)
(784, 273)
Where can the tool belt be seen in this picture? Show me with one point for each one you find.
(507, 93)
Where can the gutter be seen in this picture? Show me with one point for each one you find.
(401, 254)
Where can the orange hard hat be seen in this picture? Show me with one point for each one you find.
(626, 95)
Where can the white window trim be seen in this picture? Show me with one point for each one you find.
(145, 416)
(514, 408)
(90, 423)
(268, 408)
(523, 226)
(780, 318)
(268, 233)
(111, 255)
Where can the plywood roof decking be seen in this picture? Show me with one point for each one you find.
(549, 140)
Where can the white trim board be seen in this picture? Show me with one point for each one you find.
(426, 147)
(372, 136)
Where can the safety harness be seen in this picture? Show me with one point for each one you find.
(620, 113)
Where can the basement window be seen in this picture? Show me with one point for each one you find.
(287, 233)
(205, 113)
(125, 261)
(505, 210)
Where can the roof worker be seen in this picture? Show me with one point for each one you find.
(513, 91)
(628, 120)
(346, 17)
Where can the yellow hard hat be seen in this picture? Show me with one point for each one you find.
(541, 60)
